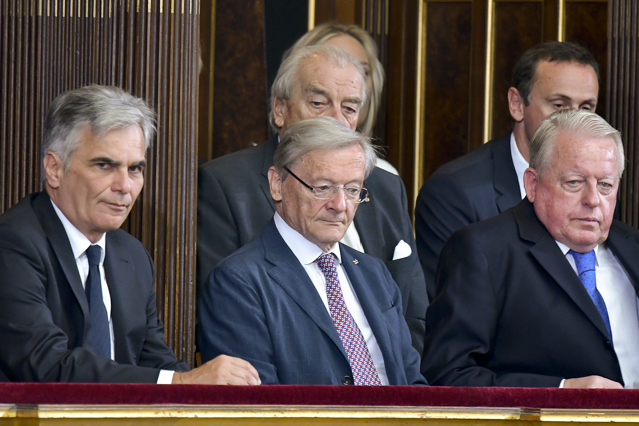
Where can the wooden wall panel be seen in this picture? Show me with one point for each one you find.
(587, 24)
(447, 82)
(240, 92)
(517, 27)
(622, 100)
(401, 87)
(149, 48)
(341, 11)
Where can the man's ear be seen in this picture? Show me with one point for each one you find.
(515, 104)
(530, 183)
(53, 169)
(275, 183)
(279, 111)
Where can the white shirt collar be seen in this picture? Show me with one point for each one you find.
(79, 242)
(305, 251)
(519, 162)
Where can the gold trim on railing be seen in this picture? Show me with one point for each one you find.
(488, 79)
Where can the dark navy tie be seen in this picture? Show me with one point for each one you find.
(99, 336)
(586, 269)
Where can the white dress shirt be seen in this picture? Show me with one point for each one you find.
(520, 164)
(307, 253)
(623, 309)
(79, 245)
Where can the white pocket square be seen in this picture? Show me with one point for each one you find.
(402, 250)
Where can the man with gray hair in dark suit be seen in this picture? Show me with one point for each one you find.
(295, 302)
(76, 292)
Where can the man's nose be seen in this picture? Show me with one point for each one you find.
(591, 196)
(338, 202)
(121, 181)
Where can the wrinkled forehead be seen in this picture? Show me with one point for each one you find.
(572, 151)
(333, 163)
(323, 72)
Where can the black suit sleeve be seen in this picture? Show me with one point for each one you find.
(462, 321)
(217, 232)
(442, 207)
(35, 347)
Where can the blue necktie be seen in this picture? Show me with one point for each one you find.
(99, 336)
(586, 269)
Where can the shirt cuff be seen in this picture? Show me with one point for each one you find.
(165, 377)
(561, 385)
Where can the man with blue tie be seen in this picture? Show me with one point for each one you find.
(76, 292)
(294, 302)
(544, 294)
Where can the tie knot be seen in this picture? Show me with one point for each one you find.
(584, 261)
(94, 253)
(326, 262)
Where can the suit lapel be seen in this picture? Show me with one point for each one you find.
(61, 246)
(120, 275)
(505, 176)
(267, 161)
(549, 255)
(373, 304)
(291, 276)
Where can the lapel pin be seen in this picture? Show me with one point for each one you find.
(355, 261)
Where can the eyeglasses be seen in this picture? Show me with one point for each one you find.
(327, 192)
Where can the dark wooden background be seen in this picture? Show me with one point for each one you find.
(447, 63)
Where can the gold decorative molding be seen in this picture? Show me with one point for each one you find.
(318, 415)
(418, 176)
(488, 79)
(311, 14)
(561, 20)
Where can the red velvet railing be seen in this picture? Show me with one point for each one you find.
(92, 394)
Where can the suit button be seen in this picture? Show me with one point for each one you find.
(347, 380)
(608, 344)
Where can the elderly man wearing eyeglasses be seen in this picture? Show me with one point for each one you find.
(298, 305)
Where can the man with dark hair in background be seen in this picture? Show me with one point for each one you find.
(487, 181)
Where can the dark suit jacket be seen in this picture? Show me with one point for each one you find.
(260, 305)
(234, 204)
(44, 315)
(511, 311)
(479, 185)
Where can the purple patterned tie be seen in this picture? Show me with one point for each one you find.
(585, 263)
(359, 357)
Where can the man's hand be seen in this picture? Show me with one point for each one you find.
(223, 370)
(592, 382)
